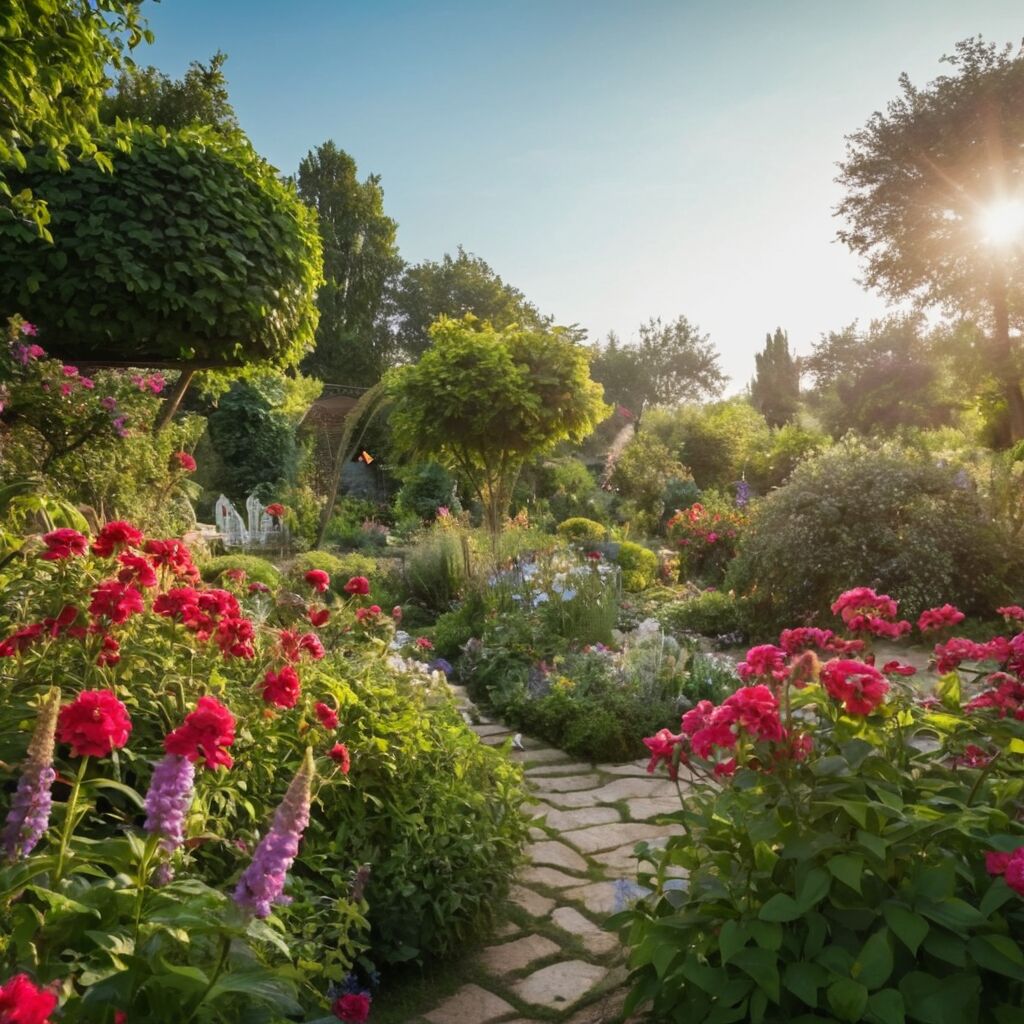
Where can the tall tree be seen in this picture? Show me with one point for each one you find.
(934, 200)
(670, 364)
(453, 287)
(353, 345)
(775, 389)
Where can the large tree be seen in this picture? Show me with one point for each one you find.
(934, 200)
(775, 389)
(453, 287)
(353, 345)
(484, 401)
(671, 363)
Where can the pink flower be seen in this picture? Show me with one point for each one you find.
(282, 688)
(318, 580)
(357, 585)
(184, 461)
(764, 662)
(972, 757)
(939, 618)
(339, 755)
(662, 746)
(114, 536)
(424, 644)
(115, 601)
(63, 543)
(318, 616)
(860, 687)
(326, 716)
(94, 724)
(1010, 866)
(898, 668)
(258, 588)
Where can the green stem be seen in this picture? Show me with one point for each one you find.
(985, 772)
(225, 945)
(140, 891)
(69, 818)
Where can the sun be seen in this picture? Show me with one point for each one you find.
(1002, 223)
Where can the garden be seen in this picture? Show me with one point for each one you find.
(374, 648)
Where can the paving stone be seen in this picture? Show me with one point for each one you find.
(606, 1010)
(607, 837)
(629, 789)
(604, 898)
(538, 833)
(556, 855)
(581, 798)
(459, 692)
(630, 768)
(542, 755)
(564, 783)
(580, 817)
(559, 986)
(491, 729)
(510, 957)
(496, 740)
(642, 808)
(470, 1005)
(548, 876)
(565, 768)
(506, 930)
(596, 940)
(532, 902)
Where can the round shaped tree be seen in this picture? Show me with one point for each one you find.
(192, 251)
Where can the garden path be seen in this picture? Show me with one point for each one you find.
(551, 960)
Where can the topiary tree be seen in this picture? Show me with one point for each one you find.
(192, 251)
(484, 401)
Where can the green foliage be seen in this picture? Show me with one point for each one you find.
(643, 473)
(567, 489)
(870, 515)
(255, 568)
(710, 613)
(454, 629)
(775, 389)
(437, 569)
(706, 536)
(427, 488)
(485, 401)
(192, 249)
(582, 531)
(341, 568)
(639, 566)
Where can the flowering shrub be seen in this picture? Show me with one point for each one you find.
(154, 844)
(707, 535)
(853, 847)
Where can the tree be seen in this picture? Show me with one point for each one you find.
(484, 400)
(454, 287)
(148, 96)
(671, 363)
(934, 200)
(775, 389)
(54, 55)
(353, 345)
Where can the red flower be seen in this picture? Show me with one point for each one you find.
(206, 734)
(860, 687)
(1005, 694)
(281, 688)
(898, 668)
(1010, 865)
(258, 588)
(178, 603)
(234, 636)
(949, 655)
(939, 618)
(764, 662)
(424, 644)
(972, 757)
(318, 616)
(594, 556)
(114, 536)
(996, 862)
(94, 724)
(137, 569)
(362, 614)
(63, 543)
(110, 652)
(662, 746)
(339, 755)
(21, 1002)
(184, 461)
(116, 601)
(21, 639)
(357, 585)
(353, 1008)
(120, 1017)
(276, 510)
(326, 715)
(757, 712)
(794, 640)
(172, 554)
(318, 580)
(396, 614)
(1010, 612)
(235, 575)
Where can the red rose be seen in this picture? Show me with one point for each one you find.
(173, 554)
(110, 652)
(64, 543)
(318, 580)
(206, 734)
(116, 601)
(318, 616)
(281, 688)
(327, 716)
(94, 724)
(339, 755)
(116, 535)
(357, 585)
(184, 461)
(137, 569)
(21, 1002)
(353, 1008)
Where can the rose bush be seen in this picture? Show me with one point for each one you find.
(852, 847)
(707, 535)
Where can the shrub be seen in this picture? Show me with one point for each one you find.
(582, 531)
(255, 568)
(454, 629)
(639, 566)
(437, 568)
(712, 613)
(854, 852)
(707, 535)
(340, 568)
(877, 515)
(428, 488)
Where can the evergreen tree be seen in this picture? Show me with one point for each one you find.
(775, 389)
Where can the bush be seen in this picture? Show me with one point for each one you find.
(454, 629)
(712, 613)
(870, 515)
(639, 566)
(428, 488)
(437, 569)
(852, 852)
(256, 569)
(341, 568)
(582, 531)
(706, 535)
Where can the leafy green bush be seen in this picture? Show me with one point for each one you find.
(712, 613)
(582, 531)
(878, 515)
(437, 568)
(255, 568)
(639, 566)
(341, 568)
(427, 488)
(453, 629)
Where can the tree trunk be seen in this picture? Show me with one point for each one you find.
(173, 400)
(1004, 364)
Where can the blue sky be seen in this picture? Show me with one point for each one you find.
(614, 160)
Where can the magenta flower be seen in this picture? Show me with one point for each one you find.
(167, 802)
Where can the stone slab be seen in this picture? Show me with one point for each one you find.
(593, 937)
(564, 768)
(645, 807)
(607, 837)
(559, 986)
(532, 902)
(537, 833)
(496, 740)
(506, 930)
(470, 1005)
(491, 729)
(556, 855)
(510, 957)
(604, 898)
(581, 798)
(629, 768)
(542, 755)
(564, 783)
(581, 817)
(631, 788)
(551, 877)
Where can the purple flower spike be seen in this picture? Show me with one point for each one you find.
(167, 803)
(262, 882)
(29, 816)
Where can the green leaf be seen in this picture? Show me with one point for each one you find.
(781, 907)
(731, 938)
(875, 962)
(813, 889)
(804, 979)
(762, 966)
(886, 1007)
(847, 867)
(60, 902)
(948, 690)
(260, 985)
(954, 913)
(909, 928)
(765, 858)
(848, 999)
(998, 953)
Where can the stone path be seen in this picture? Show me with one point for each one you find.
(551, 960)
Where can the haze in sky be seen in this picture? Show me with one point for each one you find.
(614, 160)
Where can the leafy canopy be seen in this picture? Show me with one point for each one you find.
(775, 389)
(192, 250)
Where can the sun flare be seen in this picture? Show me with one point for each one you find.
(1002, 223)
